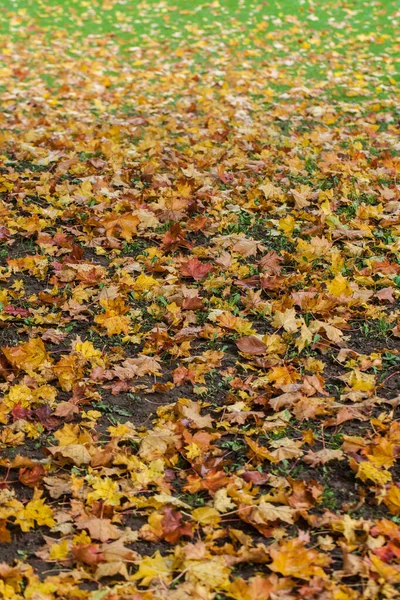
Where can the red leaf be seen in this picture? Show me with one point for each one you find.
(18, 412)
(16, 312)
(172, 526)
(195, 269)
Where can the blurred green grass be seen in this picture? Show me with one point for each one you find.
(183, 18)
(319, 32)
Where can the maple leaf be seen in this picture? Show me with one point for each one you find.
(116, 551)
(35, 511)
(99, 529)
(172, 527)
(251, 345)
(175, 238)
(89, 554)
(286, 319)
(5, 535)
(59, 552)
(69, 370)
(392, 499)
(339, 286)
(206, 515)
(31, 477)
(293, 559)
(254, 589)
(58, 486)
(304, 493)
(322, 456)
(28, 356)
(195, 269)
(266, 512)
(76, 453)
(191, 411)
(124, 225)
(389, 573)
(152, 214)
(115, 324)
(247, 247)
(155, 568)
(138, 367)
(385, 294)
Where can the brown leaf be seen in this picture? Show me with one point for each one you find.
(250, 344)
(5, 535)
(322, 456)
(31, 477)
(99, 529)
(385, 294)
(89, 554)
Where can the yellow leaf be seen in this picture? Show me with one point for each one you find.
(307, 252)
(75, 452)
(305, 338)
(155, 568)
(266, 511)
(113, 318)
(71, 434)
(383, 454)
(143, 283)
(68, 371)
(287, 225)
(339, 286)
(293, 559)
(212, 573)
(285, 319)
(390, 573)
(359, 380)
(222, 502)
(59, 551)
(337, 262)
(110, 569)
(35, 511)
(192, 451)
(368, 471)
(28, 356)
(89, 352)
(113, 323)
(9, 437)
(392, 500)
(104, 489)
(282, 376)
(206, 515)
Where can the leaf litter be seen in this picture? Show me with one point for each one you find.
(199, 324)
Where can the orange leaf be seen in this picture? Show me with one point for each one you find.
(293, 559)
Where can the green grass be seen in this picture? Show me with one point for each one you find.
(347, 46)
(182, 17)
(241, 21)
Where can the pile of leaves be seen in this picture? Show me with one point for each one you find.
(199, 324)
